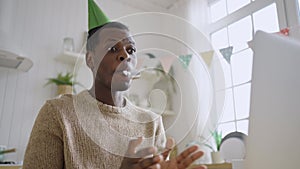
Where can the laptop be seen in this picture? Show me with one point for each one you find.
(274, 126)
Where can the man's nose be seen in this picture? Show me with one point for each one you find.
(124, 55)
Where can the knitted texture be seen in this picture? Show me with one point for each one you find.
(77, 131)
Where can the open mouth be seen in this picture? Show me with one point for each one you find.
(131, 74)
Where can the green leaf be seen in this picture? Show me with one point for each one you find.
(61, 79)
(217, 136)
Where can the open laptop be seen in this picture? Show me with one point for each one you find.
(274, 127)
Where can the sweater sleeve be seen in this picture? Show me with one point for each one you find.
(45, 146)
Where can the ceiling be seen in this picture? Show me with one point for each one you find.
(151, 5)
(167, 4)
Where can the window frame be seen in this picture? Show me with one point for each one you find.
(287, 12)
(253, 7)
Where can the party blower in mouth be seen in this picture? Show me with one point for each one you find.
(133, 74)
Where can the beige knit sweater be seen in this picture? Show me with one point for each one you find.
(77, 131)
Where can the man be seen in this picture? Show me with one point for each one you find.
(100, 128)
(92, 129)
(113, 65)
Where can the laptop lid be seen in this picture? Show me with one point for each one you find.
(274, 126)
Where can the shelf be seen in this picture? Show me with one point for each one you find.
(10, 166)
(217, 166)
(71, 57)
(14, 61)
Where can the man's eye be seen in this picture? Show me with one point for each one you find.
(113, 49)
(131, 50)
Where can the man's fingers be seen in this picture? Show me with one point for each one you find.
(132, 146)
(149, 162)
(145, 152)
(166, 153)
(169, 146)
(170, 143)
(186, 153)
(138, 159)
(156, 166)
(189, 160)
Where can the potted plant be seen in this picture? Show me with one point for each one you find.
(64, 83)
(215, 154)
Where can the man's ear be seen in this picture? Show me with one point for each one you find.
(89, 58)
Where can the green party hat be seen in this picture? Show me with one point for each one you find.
(96, 16)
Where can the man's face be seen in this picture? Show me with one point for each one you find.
(114, 57)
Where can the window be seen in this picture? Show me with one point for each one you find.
(218, 10)
(234, 5)
(233, 23)
(222, 8)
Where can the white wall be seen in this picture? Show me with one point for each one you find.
(115, 9)
(35, 29)
(195, 12)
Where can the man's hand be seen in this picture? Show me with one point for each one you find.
(136, 159)
(183, 160)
